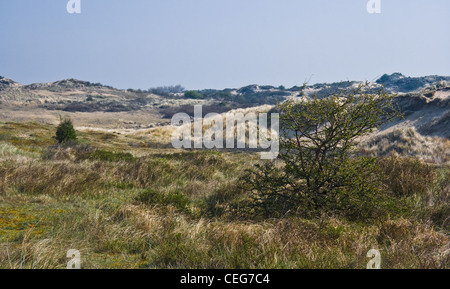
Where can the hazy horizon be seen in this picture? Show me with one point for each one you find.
(225, 44)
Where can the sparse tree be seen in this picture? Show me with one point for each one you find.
(319, 171)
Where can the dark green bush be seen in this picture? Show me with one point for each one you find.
(65, 132)
(192, 94)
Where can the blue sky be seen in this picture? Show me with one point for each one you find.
(221, 43)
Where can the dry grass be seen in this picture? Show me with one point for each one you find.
(165, 209)
(408, 142)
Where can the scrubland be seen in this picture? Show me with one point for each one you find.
(128, 200)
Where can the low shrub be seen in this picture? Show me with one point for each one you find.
(65, 132)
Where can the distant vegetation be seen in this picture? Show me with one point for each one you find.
(91, 106)
(167, 90)
(169, 112)
(192, 94)
(245, 95)
(399, 82)
(249, 95)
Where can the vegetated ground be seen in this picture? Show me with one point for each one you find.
(127, 200)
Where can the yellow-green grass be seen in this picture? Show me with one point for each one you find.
(168, 208)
